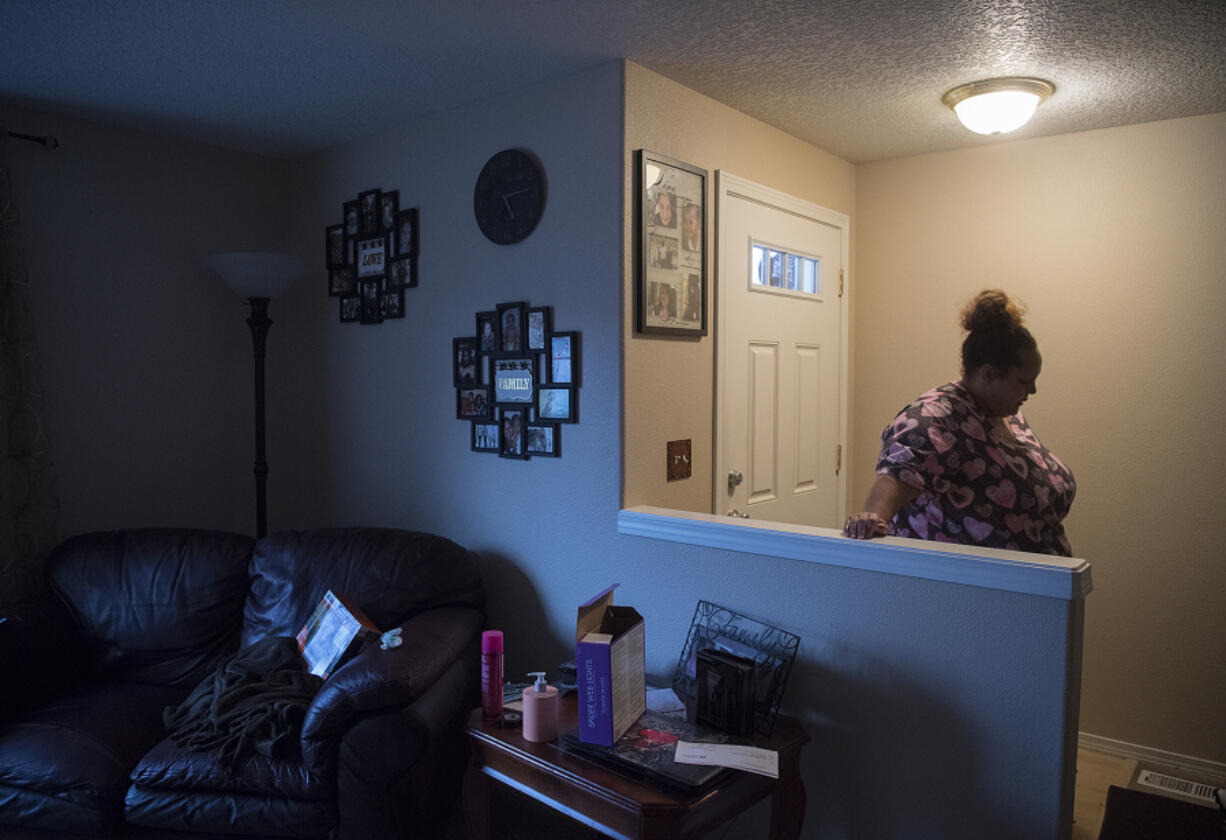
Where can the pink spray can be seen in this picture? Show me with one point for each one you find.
(491, 674)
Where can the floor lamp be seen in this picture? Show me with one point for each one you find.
(259, 277)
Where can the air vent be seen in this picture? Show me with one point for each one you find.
(1183, 787)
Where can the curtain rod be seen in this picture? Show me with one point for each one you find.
(50, 142)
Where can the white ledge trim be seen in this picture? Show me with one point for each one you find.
(1013, 571)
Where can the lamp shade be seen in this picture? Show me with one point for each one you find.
(255, 273)
(997, 106)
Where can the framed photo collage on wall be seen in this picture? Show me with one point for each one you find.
(517, 381)
(372, 257)
(671, 276)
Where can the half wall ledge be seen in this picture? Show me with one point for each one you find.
(1066, 578)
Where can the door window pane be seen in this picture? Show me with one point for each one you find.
(774, 268)
(757, 275)
(777, 269)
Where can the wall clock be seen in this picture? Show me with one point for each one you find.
(509, 197)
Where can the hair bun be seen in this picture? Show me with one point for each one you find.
(991, 310)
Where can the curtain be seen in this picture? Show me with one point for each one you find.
(28, 496)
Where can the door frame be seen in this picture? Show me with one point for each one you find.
(728, 184)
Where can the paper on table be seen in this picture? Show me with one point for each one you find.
(749, 759)
(663, 700)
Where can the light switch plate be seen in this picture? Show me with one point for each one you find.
(679, 459)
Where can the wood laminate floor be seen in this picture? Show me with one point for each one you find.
(1098, 771)
(1095, 773)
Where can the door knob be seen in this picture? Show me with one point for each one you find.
(734, 479)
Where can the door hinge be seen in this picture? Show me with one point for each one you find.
(840, 282)
(838, 458)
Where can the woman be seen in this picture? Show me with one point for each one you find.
(961, 464)
(662, 216)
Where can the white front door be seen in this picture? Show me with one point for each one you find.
(780, 381)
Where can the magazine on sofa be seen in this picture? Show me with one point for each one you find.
(333, 632)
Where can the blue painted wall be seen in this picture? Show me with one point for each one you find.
(935, 709)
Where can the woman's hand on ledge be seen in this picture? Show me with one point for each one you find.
(865, 526)
(885, 498)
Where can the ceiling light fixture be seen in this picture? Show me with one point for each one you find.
(998, 106)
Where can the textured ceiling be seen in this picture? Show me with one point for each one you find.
(859, 78)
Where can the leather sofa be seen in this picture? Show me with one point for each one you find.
(134, 620)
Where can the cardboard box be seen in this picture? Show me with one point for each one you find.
(610, 665)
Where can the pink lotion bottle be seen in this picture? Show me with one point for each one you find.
(540, 710)
(491, 674)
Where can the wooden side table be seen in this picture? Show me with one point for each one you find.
(618, 806)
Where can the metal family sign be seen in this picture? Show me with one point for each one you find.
(514, 385)
(517, 381)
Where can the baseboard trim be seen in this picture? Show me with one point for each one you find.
(1147, 756)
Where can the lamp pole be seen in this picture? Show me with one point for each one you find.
(259, 277)
(259, 322)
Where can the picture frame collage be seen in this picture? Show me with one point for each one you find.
(517, 381)
(372, 257)
(671, 282)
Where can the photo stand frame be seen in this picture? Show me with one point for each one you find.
(343, 282)
(512, 433)
(368, 212)
(544, 440)
(474, 403)
(335, 245)
(556, 403)
(540, 324)
(467, 368)
(563, 358)
(485, 436)
(487, 332)
(511, 327)
(391, 304)
(770, 648)
(370, 290)
(389, 210)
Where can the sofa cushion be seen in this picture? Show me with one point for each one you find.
(171, 768)
(157, 605)
(390, 574)
(214, 813)
(65, 766)
(42, 654)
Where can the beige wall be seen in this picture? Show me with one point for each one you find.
(1116, 240)
(670, 381)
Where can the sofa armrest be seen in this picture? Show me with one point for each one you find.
(399, 772)
(42, 653)
(378, 679)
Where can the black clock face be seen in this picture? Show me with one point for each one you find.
(509, 197)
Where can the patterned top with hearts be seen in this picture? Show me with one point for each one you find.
(976, 486)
